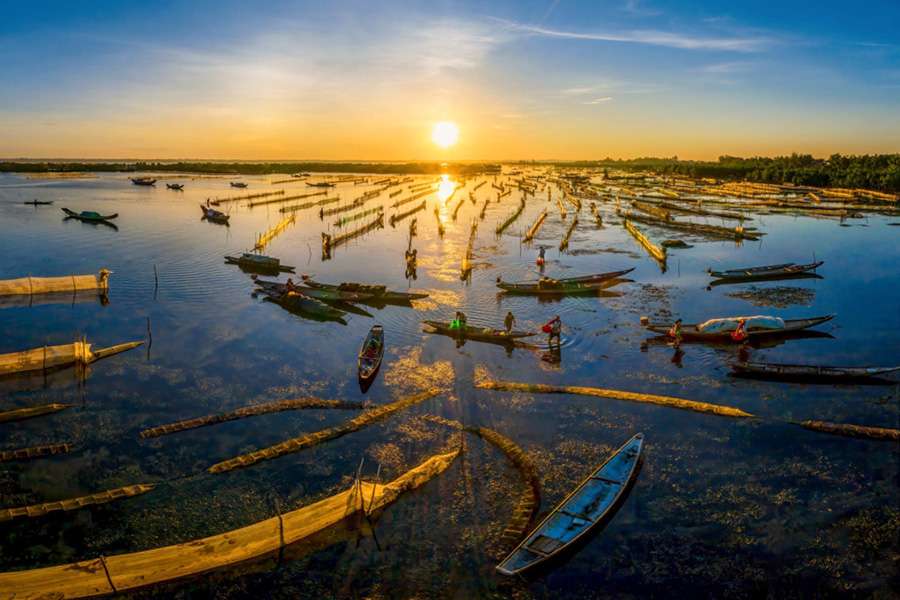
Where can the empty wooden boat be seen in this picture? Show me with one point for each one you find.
(238, 184)
(810, 373)
(38, 202)
(370, 355)
(143, 181)
(324, 294)
(696, 332)
(590, 504)
(380, 293)
(305, 306)
(259, 263)
(786, 270)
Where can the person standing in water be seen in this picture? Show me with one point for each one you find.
(675, 334)
(540, 259)
(553, 329)
(509, 322)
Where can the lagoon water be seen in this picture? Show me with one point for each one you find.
(721, 507)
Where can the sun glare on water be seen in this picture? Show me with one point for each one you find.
(445, 133)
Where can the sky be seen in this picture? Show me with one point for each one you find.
(367, 80)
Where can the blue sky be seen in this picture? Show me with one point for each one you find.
(352, 80)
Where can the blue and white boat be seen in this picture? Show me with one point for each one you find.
(583, 509)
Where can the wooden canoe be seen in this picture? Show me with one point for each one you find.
(569, 285)
(371, 354)
(38, 202)
(380, 293)
(216, 216)
(88, 215)
(305, 306)
(811, 373)
(317, 293)
(766, 272)
(479, 334)
(589, 504)
(259, 263)
(690, 332)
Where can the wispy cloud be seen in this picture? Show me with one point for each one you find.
(667, 39)
(726, 68)
(602, 100)
(636, 9)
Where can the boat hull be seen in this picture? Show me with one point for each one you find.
(690, 332)
(592, 503)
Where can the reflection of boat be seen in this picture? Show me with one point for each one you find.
(568, 285)
(380, 294)
(89, 215)
(810, 373)
(692, 332)
(305, 306)
(757, 342)
(259, 263)
(38, 202)
(478, 334)
(238, 184)
(766, 272)
(718, 282)
(216, 216)
(143, 181)
(589, 505)
(175, 186)
(371, 354)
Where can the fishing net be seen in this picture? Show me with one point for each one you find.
(730, 324)
(49, 285)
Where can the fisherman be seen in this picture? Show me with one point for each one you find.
(553, 329)
(459, 322)
(675, 334)
(509, 322)
(540, 259)
(740, 333)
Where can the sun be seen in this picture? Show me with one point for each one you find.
(445, 133)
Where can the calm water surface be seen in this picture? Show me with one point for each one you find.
(721, 507)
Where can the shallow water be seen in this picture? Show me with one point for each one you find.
(721, 507)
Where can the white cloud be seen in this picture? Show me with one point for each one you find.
(599, 100)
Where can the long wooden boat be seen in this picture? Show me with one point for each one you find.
(38, 202)
(143, 181)
(89, 215)
(825, 374)
(216, 216)
(569, 285)
(380, 293)
(321, 184)
(371, 354)
(478, 334)
(766, 272)
(589, 504)
(238, 184)
(259, 263)
(691, 332)
(317, 293)
(306, 306)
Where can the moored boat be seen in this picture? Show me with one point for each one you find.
(38, 202)
(317, 293)
(88, 215)
(216, 216)
(697, 331)
(371, 355)
(259, 262)
(238, 184)
(478, 334)
(321, 184)
(786, 270)
(809, 373)
(588, 505)
(143, 181)
(569, 285)
(380, 293)
(305, 306)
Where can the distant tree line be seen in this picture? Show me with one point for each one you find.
(869, 171)
(252, 168)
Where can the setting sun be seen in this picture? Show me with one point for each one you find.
(445, 133)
